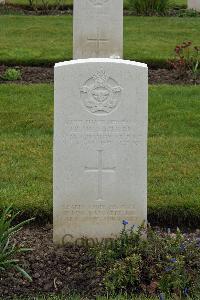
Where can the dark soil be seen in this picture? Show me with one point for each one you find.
(53, 269)
(161, 76)
(67, 270)
(45, 75)
(31, 74)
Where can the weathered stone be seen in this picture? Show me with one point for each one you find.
(100, 147)
(98, 28)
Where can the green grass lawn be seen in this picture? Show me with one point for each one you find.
(26, 121)
(180, 2)
(48, 39)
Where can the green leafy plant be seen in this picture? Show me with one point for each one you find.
(187, 59)
(124, 273)
(8, 249)
(149, 7)
(11, 74)
(46, 6)
(144, 261)
(188, 13)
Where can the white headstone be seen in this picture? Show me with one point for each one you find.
(194, 4)
(2, 2)
(98, 28)
(100, 147)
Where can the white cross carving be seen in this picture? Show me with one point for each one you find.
(98, 40)
(100, 170)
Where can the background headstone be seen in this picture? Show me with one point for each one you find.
(194, 4)
(100, 147)
(98, 28)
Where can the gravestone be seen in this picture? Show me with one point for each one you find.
(194, 4)
(100, 147)
(2, 2)
(97, 28)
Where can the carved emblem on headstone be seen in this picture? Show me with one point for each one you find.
(101, 93)
(98, 2)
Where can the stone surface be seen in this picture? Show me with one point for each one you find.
(2, 1)
(98, 28)
(100, 147)
(194, 4)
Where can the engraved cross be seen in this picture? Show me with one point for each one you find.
(98, 40)
(100, 170)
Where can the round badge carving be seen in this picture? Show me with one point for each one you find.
(101, 93)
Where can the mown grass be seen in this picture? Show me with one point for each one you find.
(179, 2)
(26, 147)
(48, 39)
(26, 127)
(174, 143)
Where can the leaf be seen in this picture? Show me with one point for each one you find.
(11, 261)
(24, 273)
(24, 250)
(20, 225)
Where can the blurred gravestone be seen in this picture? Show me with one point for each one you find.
(194, 4)
(98, 28)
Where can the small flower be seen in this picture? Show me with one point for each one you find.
(125, 222)
(177, 50)
(186, 291)
(8, 216)
(162, 296)
(168, 269)
(198, 242)
(173, 260)
(182, 248)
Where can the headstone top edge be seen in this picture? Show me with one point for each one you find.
(100, 60)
